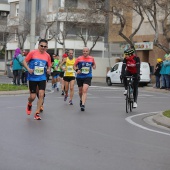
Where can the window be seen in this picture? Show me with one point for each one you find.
(38, 3)
(50, 5)
(116, 19)
(3, 14)
(17, 9)
(71, 3)
(115, 68)
(49, 35)
(147, 16)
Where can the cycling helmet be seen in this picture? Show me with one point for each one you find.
(129, 51)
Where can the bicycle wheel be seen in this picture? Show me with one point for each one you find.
(128, 100)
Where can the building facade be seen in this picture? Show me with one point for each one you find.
(67, 24)
(4, 11)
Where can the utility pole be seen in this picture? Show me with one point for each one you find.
(106, 39)
(32, 32)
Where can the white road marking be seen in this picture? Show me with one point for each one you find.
(129, 120)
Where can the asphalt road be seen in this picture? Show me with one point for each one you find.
(104, 137)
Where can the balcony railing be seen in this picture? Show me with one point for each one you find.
(76, 37)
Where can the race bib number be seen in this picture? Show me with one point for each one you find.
(85, 70)
(70, 69)
(38, 70)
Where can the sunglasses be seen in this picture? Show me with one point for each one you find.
(43, 46)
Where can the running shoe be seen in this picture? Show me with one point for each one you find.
(62, 93)
(41, 108)
(57, 89)
(70, 102)
(135, 105)
(37, 116)
(65, 97)
(28, 109)
(125, 92)
(82, 108)
(80, 103)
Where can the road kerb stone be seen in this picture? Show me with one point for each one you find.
(162, 120)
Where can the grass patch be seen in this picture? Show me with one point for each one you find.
(167, 113)
(11, 87)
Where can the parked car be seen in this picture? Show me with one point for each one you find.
(113, 75)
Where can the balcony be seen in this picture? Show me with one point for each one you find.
(51, 17)
(80, 17)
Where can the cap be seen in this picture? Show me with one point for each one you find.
(65, 56)
(159, 60)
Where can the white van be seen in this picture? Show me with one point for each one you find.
(113, 75)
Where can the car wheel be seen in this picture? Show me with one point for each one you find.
(109, 83)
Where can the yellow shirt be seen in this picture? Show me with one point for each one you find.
(69, 67)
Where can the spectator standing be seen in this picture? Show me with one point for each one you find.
(167, 71)
(163, 74)
(17, 66)
(157, 72)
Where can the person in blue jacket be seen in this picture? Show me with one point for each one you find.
(167, 71)
(163, 72)
(17, 66)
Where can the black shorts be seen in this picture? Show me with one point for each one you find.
(34, 84)
(81, 81)
(61, 74)
(68, 78)
(55, 73)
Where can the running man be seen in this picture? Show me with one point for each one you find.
(83, 67)
(56, 72)
(39, 63)
(62, 74)
(69, 76)
(131, 66)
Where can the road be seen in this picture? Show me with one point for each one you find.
(104, 137)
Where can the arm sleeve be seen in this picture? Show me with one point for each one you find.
(123, 67)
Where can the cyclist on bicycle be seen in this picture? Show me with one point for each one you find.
(131, 67)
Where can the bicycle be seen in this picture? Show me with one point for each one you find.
(129, 96)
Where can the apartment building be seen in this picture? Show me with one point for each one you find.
(4, 11)
(65, 20)
(143, 38)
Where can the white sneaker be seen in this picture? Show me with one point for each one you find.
(135, 105)
(125, 92)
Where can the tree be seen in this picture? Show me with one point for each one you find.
(122, 12)
(158, 15)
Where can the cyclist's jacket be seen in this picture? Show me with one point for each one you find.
(85, 65)
(69, 67)
(39, 63)
(131, 64)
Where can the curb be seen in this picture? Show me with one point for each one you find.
(18, 92)
(14, 92)
(162, 120)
